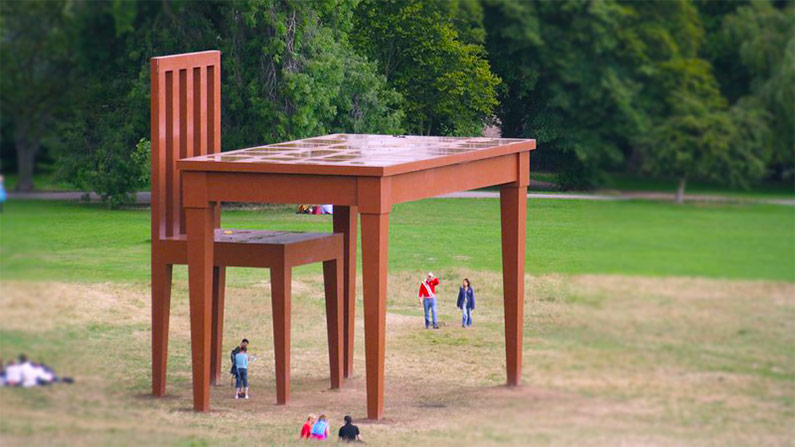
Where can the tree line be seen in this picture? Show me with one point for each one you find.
(678, 89)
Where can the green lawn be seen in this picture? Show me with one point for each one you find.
(79, 242)
(43, 181)
(630, 182)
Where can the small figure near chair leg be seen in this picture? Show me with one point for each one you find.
(241, 384)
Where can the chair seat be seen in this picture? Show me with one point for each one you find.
(266, 236)
(261, 237)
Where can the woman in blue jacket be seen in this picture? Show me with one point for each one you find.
(466, 302)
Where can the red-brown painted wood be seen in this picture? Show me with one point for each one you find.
(346, 220)
(370, 173)
(161, 307)
(281, 279)
(375, 238)
(333, 279)
(513, 212)
(217, 339)
(200, 273)
(186, 122)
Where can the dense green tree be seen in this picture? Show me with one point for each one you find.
(288, 72)
(34, 73)
(293, 75)
(570, 73)
(763, 39)
(98, 147)
(679, 88)
(604, 83)
(699, 136)
(430, 51)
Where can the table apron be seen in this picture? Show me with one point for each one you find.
(459, 177)
(280, 188)
(371, 194)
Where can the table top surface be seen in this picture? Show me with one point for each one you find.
(358, 154)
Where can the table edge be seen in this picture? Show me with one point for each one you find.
(358, 171)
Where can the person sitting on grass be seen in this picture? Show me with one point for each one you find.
(427, 297)
(306, 430)
(320, 429)
(235, 351)
(241, 384)
(350, 432)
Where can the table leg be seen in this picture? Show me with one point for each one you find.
(513, 207)
(345, 222)
(200, 282)
(375, 233)
(217, 339)
(281, 303)
(332, 281)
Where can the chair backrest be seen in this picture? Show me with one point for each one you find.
(186, 122)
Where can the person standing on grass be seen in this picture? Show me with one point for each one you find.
(235, 351)
(427, 297)
(350, 432)
(320, 429)
(2, 193)
(241, 362)
(466, 302)
(306, 430)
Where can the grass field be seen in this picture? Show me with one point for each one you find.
(76, 242)
(646, 324)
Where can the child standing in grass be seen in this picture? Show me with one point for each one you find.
(241, 362)
(235, 351)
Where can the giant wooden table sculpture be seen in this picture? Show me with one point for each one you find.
(365, 174)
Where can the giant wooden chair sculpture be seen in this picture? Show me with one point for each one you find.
(186, 122)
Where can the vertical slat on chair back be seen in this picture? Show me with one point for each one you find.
(186, 122)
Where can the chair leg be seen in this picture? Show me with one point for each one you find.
(280, 301)
(333, 281)
(161, 306)
(217, 337)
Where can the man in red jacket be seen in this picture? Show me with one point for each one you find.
(427, 297)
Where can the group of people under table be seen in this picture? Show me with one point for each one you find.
(314, 428)
(318, 427)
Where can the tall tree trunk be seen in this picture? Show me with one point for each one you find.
(680, 191)
(27, 147)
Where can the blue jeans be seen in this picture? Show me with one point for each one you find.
(429, 304)
(242, 378)
(466, 317)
